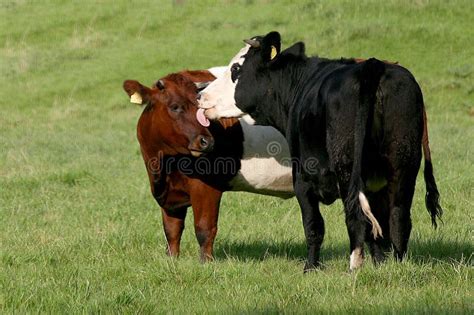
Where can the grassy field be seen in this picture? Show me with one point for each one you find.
(79, 229)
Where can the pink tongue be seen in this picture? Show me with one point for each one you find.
(201, 118)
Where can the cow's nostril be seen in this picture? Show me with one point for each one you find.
(204, 143)
(198, 97)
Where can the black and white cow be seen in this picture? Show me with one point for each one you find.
(355, 131)
(264, 166)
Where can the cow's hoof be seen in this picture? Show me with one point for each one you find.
(309, 267)
(378, 259)
(353, 271)
(206, 258)
(172, 254)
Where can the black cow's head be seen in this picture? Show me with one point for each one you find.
(259, 76)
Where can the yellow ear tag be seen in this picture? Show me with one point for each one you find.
(136, 98)
(273, 53)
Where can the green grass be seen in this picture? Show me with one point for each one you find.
(79, 230)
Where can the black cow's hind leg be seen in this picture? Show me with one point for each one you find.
(356, 228)
(313, 221)
(401, 190)
(380, 207)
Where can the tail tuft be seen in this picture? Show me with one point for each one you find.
(432, 195)
(364, 204)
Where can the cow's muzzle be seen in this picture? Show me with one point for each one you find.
(201, 144)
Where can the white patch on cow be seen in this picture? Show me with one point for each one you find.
(266, 167)
(364, 204)
(213, 113)
(247, 119)
(357, 258)
(217, 71)
(218, 97)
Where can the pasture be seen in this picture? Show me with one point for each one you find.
(79, 229)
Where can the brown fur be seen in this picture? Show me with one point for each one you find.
(160, 138)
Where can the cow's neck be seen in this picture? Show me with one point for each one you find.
(288, 83)
(291, 87)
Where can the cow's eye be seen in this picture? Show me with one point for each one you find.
(235, 72)
(175, 108)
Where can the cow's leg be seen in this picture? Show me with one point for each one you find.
(173, 224)
(356, 227)
(380, 208)
(313, 222)
(205, 202)
(400, 190)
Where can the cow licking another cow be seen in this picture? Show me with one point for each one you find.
(355, 131)
(364, 123)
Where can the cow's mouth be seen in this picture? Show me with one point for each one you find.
(196, 153)
(211, 113)
(201, 144)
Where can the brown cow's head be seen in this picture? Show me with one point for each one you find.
(168, 123)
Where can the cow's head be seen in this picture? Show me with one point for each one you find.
(264, 78)
(218, 98)
(246, 87)
(168, 123)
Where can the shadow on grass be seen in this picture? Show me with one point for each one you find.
(259, 250)
(440, 251)
(420, 251)
(262, 250)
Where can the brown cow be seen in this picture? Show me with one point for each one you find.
(172, 140)
(168, 127)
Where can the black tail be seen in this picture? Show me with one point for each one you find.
(371, 72)
(432, 194)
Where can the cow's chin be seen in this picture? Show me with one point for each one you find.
(196, 153)
(214, 114)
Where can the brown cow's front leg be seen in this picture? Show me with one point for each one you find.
(173, 224)
(205, 202)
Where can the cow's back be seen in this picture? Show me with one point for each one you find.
(400, 102)
(324, 120)
(399, 109)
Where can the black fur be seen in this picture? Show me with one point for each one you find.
(370, 74)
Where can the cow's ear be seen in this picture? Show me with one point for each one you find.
(138, 93)
(297, 49)
(202, 85)
(271, 45)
